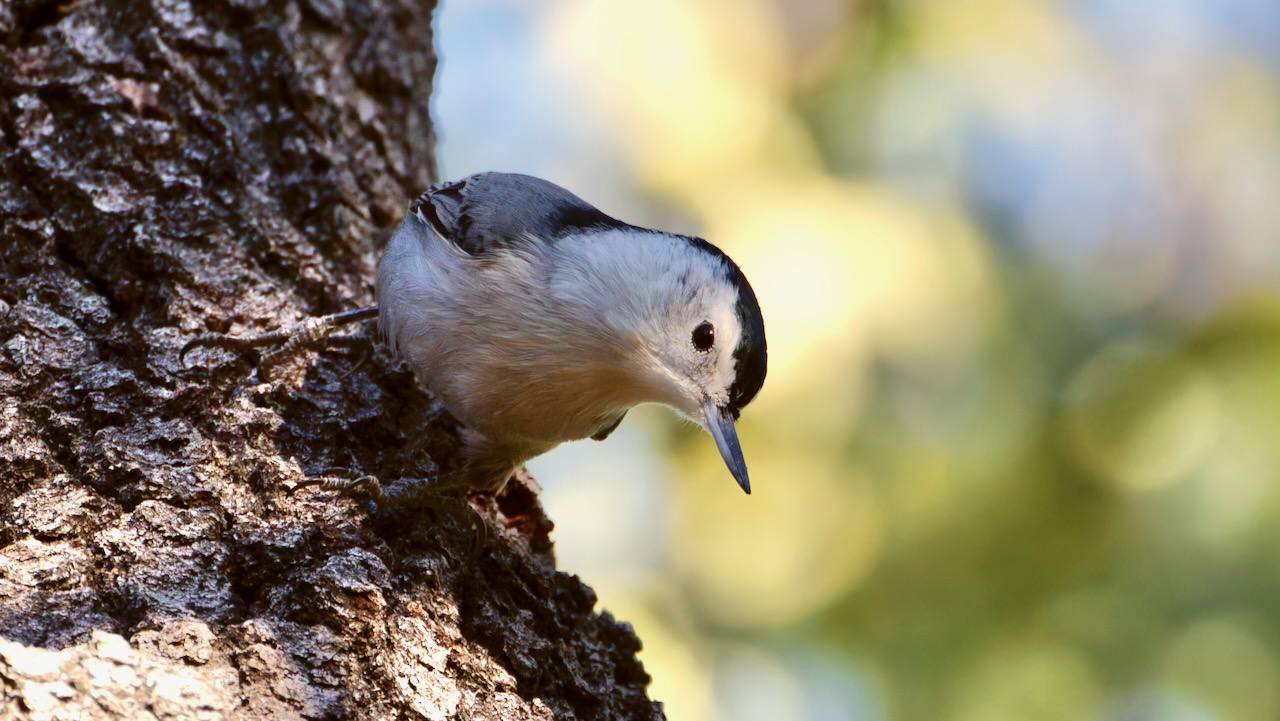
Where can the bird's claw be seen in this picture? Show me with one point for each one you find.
(313, 333)
(216, 340)
(365, 487)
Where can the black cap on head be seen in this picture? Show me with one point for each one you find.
(751, 354)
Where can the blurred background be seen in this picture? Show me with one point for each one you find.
(1018, 455)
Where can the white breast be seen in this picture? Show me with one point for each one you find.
(505, 352)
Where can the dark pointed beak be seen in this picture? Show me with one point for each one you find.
(719, 423)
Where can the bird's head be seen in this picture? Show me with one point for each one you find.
(709, 344)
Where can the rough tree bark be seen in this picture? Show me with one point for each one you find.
(168, 169)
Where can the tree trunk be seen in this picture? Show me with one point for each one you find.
(168, 170)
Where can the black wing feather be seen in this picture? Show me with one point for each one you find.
(608, 428)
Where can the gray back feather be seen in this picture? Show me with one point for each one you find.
(490, 211)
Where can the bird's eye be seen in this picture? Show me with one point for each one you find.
(704, 336)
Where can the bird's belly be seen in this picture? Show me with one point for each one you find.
(553, 408)
(495, 349)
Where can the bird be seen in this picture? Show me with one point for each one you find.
(537, 319)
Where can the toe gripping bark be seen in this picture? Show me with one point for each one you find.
(310, 334)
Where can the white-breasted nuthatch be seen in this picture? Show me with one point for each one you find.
(537, 319)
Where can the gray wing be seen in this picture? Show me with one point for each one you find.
(490, 211)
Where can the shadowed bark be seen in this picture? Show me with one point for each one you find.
(168, 169)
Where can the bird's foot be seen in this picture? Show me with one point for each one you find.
(365, 488)
(312, 333)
